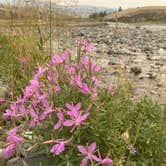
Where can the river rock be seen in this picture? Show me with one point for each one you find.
(15, 162)
(1, 154)
(3, 91)
(139, 52)
(162, 52)
(152, 75)
(136, 70)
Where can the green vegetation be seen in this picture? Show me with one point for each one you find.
(133, 133)
(99, 15)
(120, 9)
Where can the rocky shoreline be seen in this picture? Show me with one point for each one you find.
(136, 53)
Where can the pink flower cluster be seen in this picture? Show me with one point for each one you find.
(88, 153)
(37, 106)
(86, 47)
(13, 141)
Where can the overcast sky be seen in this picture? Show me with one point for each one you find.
(114, 3)
(124, 3)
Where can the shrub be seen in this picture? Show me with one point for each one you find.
(98, 15)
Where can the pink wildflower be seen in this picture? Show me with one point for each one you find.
(60, 121)
(23, 60)
(94, 93)
(56, 59)
(65, 54)
(106, 161)
(111, 89)
(46, 113)
(35, 119)
(9, 151)
(58, 148)
(52, 77)
(89, 47)
(14, 140)
(76, 117)
(41, 98)
(13, 137)
(71, 70)
(82, 42)
(12, 112)
(1, 100)
(73, 109)
(94, 67)
(86, 62)
(88, 152)
(33, 88)
(57, 88)
(40, 72)
(83, 87)
(11, 94)
(96, 81)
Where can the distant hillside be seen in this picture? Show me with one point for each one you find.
(140, 14)
(86, 10)
(23, 12)
(79, 10)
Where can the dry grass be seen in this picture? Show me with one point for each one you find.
(31, 33)
(159, 11)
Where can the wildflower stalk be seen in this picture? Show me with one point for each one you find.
(135, 139)
(50, 26)
(78, 54)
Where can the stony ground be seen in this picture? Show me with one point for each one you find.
(133, 53)
(136, 53)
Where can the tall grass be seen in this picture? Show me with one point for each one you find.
(31, 33)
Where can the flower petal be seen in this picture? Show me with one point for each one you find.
(57, 125)
(107, 161)
(84, 161)
(54, 148)
(60, 122)
(14, 139)
(69, 106)
(82, 149)
(68, 123)
(13, 131)
(60, 116)
(84, 116)
(78, 106)
(9, 151)
(92, 147)
(58, 148)
(95, 158)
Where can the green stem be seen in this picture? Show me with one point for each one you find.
(50, 26)
(135, 139)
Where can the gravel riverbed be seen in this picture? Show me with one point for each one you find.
(135, 52)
